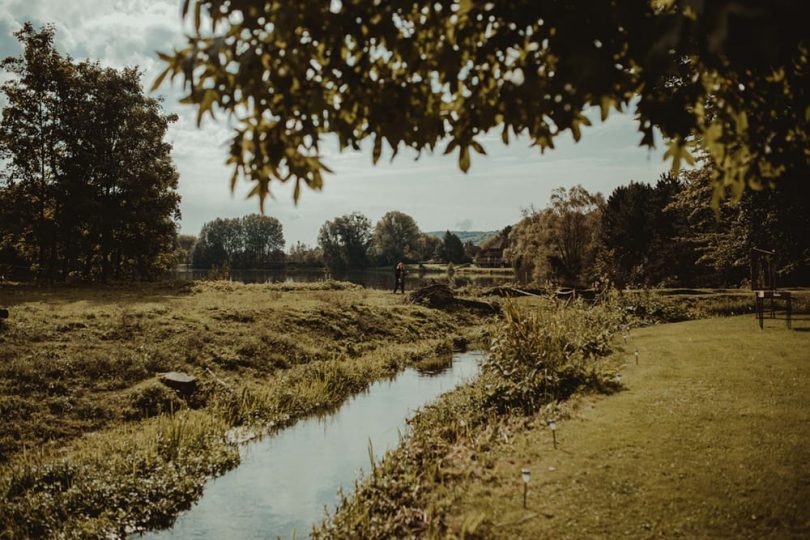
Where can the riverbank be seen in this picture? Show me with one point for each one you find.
(91, 443)
(706, 437)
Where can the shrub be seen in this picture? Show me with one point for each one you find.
(541, 355)
(152, 399)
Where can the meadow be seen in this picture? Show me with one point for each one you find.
(92, 443)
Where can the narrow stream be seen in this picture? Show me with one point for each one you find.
(285, 481)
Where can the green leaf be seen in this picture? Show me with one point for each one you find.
(159, 80)
(677, 152)
(604, 106)
(464, 158)
(375, 157)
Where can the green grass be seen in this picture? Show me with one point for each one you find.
(78, 367)
(705, 437)
(709, 439)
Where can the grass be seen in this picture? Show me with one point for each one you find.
(705, 437)
(708, 440)
(79, 366)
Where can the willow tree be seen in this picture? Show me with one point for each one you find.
(728, 75)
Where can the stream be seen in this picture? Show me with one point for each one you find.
(285, 481)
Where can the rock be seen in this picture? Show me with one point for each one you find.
(182, 382)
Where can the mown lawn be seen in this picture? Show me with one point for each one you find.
(709, 438)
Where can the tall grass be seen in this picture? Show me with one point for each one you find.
(125, 479)
(538, 355)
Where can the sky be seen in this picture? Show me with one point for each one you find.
(492, 195)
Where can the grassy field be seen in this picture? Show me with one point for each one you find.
(708, 439)
(91, 442)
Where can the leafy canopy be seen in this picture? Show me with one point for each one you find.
(731, 74)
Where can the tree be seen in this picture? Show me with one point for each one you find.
(303, 255)
(559, 243)
(627, 233)
(776, 220)
(263, 241)
(430, 248)
(88, 179)
(345, 241)
(453, 249)
(730, 75)
(639, 237)
(185, 246)
(249, 242)
(396, 238)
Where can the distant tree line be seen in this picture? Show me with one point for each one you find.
(667, 234)
(251, 241)
(87, 187)
(350, 242)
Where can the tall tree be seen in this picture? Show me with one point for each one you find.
(776, 220)
(396, 238)
(252, 241)
(559, 244)
(88, 178)
(453, 249)
(627, 233)
(431, 248)
(730, 73)
(345, 241)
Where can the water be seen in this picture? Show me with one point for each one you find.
(284, 482)
(373, 279)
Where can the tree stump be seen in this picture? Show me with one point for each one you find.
(182, 382)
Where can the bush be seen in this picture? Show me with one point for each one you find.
(542, 355)
(152, 399)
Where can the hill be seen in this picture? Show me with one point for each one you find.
(476, 237)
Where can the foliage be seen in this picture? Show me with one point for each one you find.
(476, 237)
(152, 399)
(775, 220)
(184, 247)
(302, 255)
(431, 247)
(540, 355)
(345, 241)
(453, 249)
(252, 241)
(396, 239)
(639, 238)
(417, 74)
(559, 243)
(89, 187)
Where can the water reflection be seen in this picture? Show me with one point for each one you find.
(285, 481)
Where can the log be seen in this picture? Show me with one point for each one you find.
(182, 382)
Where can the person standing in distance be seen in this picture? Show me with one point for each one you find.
(399, 277)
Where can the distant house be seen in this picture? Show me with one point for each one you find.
(491, 254)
